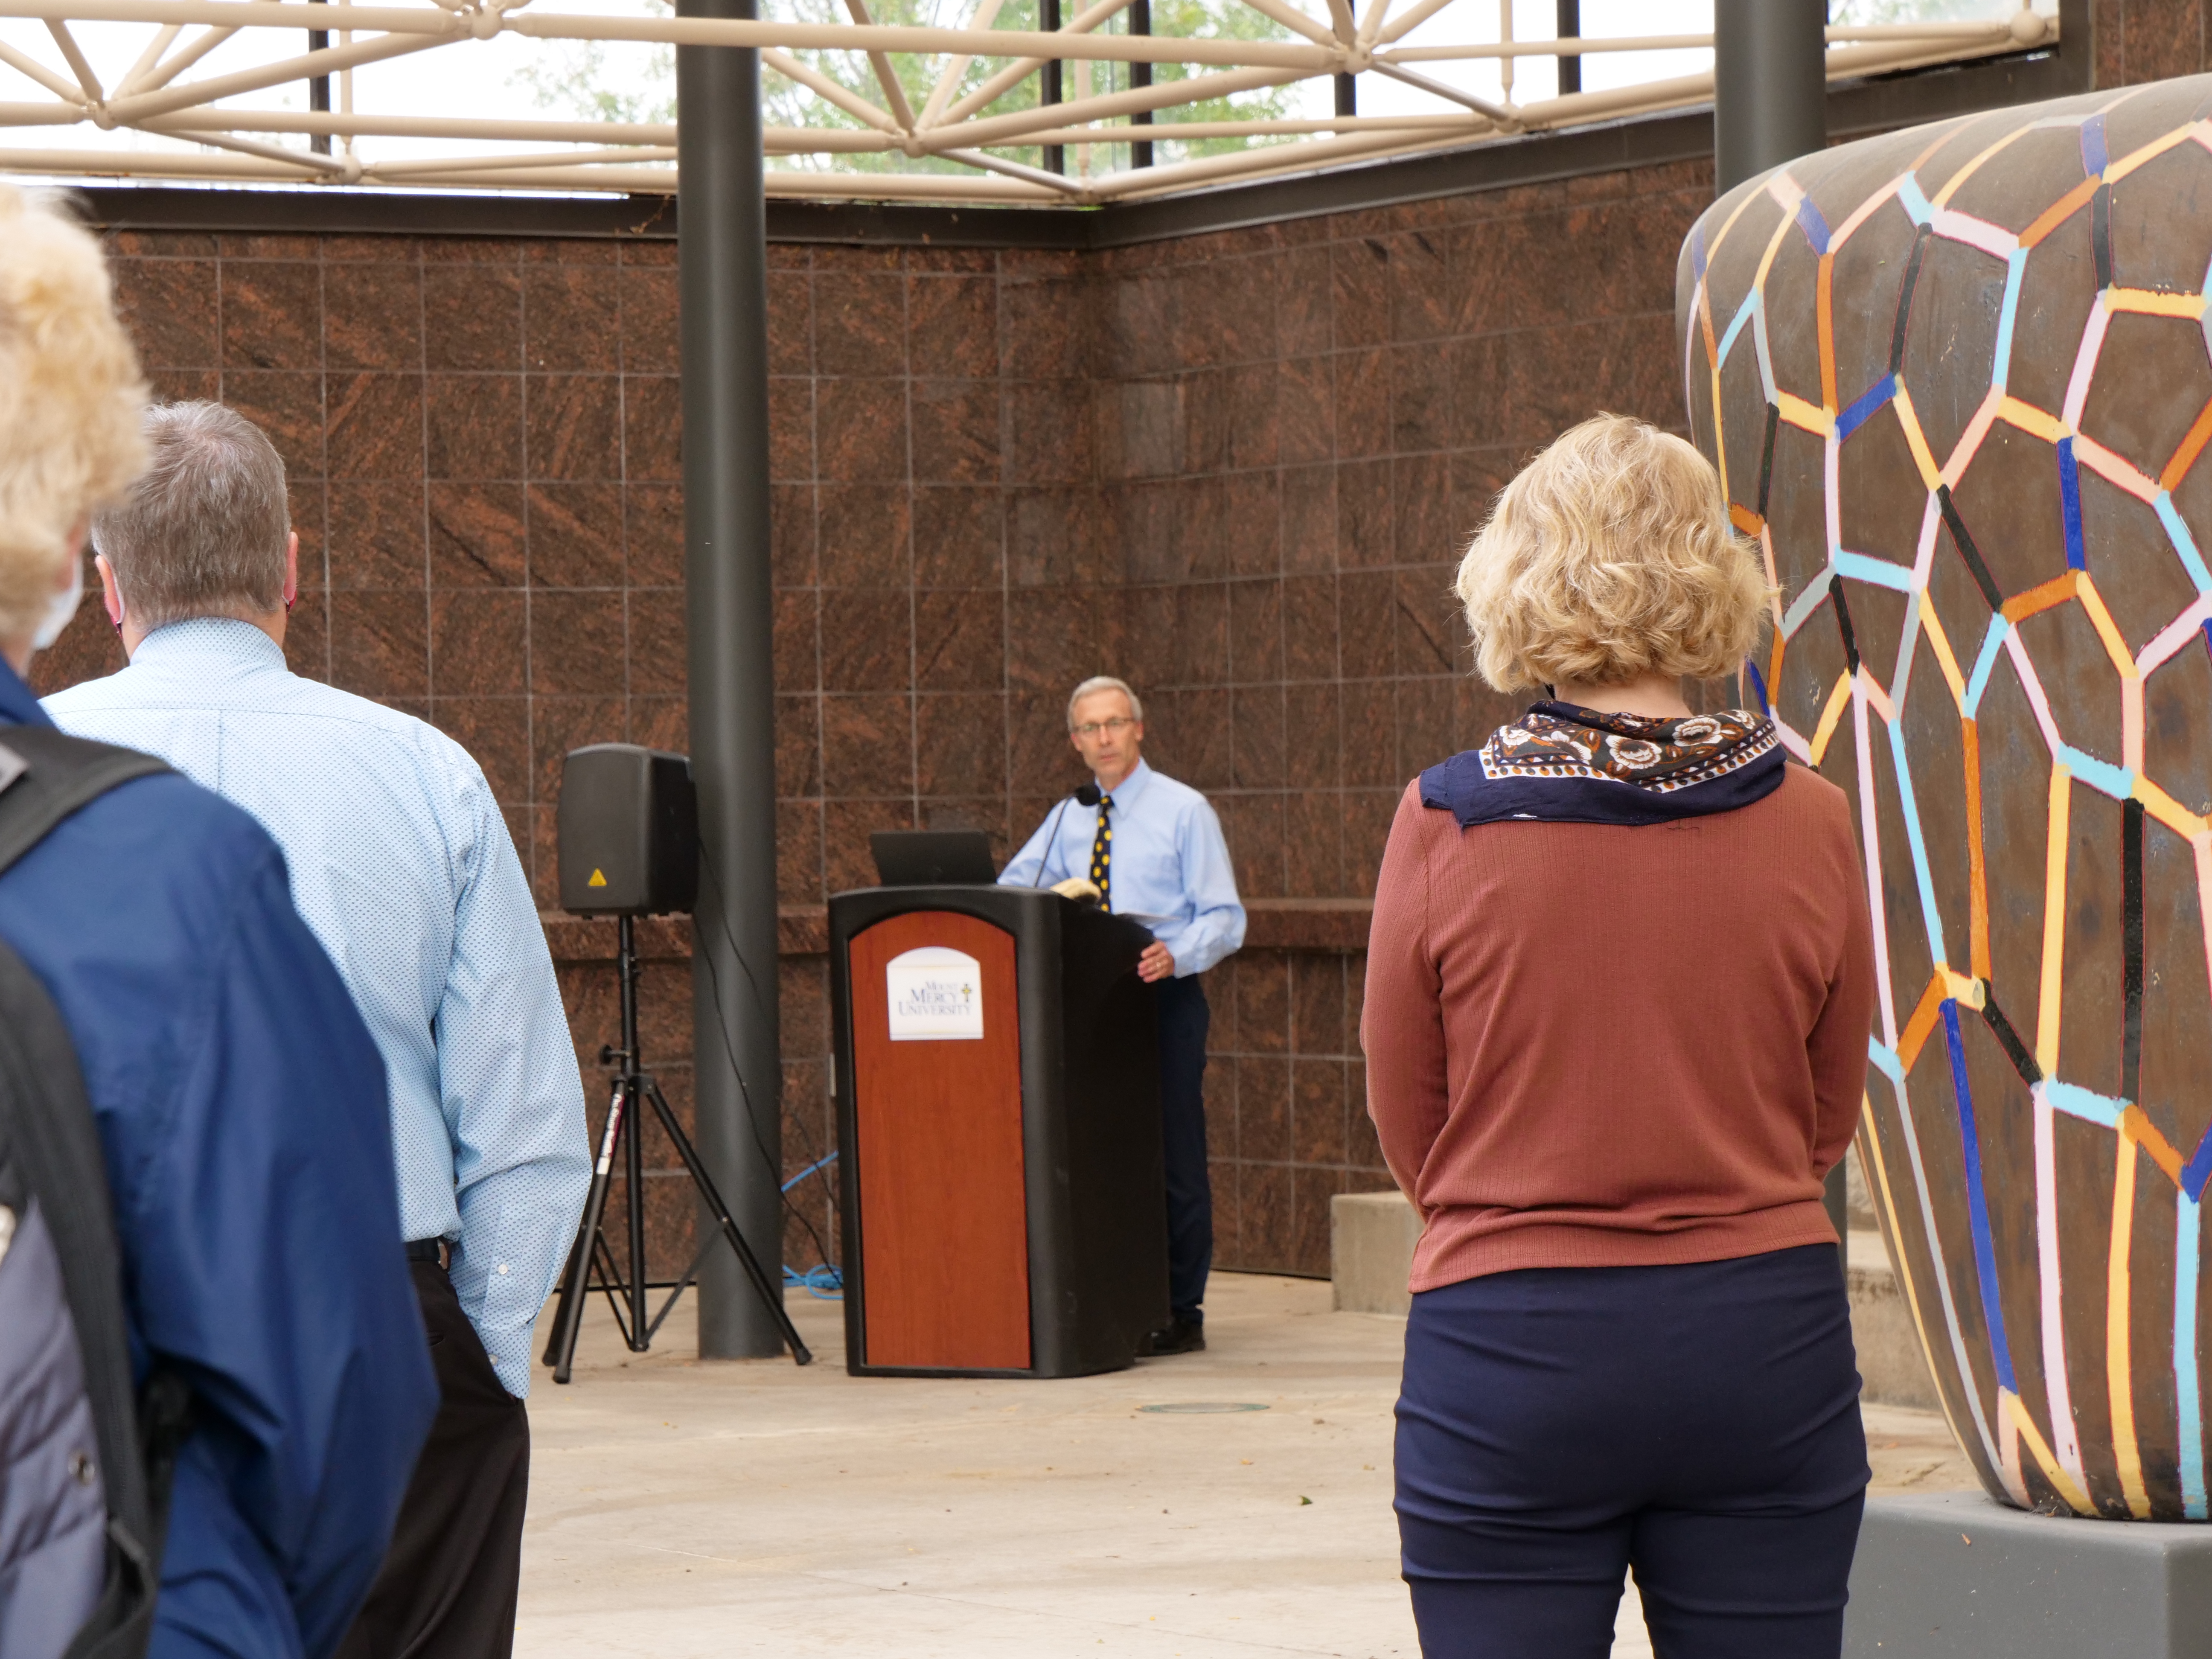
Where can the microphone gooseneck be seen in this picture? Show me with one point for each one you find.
(1087, 795)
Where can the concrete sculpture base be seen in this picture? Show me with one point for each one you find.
(1371, 1237)
(1955, 1576)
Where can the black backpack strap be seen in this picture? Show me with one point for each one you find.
(122, 1624)
(46, 775)
(46, 1126)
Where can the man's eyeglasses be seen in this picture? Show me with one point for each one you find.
(1114, 727)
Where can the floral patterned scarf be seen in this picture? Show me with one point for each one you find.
(1564, 764)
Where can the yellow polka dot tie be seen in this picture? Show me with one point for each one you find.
(1101, 855)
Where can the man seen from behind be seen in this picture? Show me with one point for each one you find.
(402, 863)
(238, 1100)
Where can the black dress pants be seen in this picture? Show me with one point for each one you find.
(449, 1583)
(1184, 1017)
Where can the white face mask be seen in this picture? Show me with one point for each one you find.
(61, 609)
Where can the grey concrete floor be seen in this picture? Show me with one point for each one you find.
(681, 1508)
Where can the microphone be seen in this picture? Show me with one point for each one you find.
(1087, 795)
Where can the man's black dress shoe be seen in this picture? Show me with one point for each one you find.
(1177, 1336)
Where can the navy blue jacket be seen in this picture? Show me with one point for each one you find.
(241, 1108)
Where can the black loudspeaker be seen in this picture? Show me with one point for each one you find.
(629, 831)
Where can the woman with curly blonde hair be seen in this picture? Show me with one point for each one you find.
(1618, 988)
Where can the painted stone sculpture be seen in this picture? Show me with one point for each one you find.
(1957, 382)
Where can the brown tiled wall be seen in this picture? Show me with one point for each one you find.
(1235, 470)
(482, 440)
(2140, 40)
(1286, 1118)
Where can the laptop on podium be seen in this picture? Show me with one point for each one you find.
(933, 857)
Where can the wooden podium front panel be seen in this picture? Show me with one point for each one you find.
(944, 1214)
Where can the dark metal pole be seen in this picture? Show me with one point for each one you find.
(1140, 74)
(641, 1308)
(318, 87)
(722, 274)
(1055, 157)
(1770, 85)
(1571, 28)
(1771, 106)
(1347, 95)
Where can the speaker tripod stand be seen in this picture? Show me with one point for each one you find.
(636, 1087)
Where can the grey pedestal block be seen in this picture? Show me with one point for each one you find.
(1955, 1576)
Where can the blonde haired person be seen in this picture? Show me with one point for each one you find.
(1618, 988)
(70, 400)
(238, 1099)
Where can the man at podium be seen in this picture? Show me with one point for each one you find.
(1143, 846)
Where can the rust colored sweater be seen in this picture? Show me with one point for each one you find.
(1590, 1045)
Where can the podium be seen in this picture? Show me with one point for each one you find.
(997, 1085)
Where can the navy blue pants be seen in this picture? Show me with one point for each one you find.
(1184, 1019)
(1698, 1423)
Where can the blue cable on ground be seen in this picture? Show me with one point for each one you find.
(826, 1282)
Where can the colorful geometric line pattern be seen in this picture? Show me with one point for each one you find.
(2014, 1244)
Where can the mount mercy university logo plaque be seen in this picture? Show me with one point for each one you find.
(935, 995)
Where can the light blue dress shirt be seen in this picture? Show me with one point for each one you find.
(401, 864)
(1172, 869)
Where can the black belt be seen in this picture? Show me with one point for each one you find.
(430, 1249)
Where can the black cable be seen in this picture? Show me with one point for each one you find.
(768, 1158)
(759, 1002)
(729, 1048)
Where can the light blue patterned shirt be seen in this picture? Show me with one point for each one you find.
(1172, 869)
(402, 865)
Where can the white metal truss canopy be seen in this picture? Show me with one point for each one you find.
(157, 96)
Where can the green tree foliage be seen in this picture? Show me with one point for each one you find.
(587, 80)
(605, 81)
(1231, 20)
